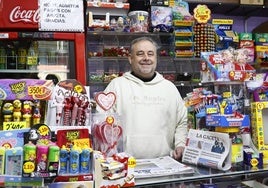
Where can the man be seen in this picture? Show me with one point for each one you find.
(155, 117)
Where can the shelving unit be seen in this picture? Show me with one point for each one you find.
(184, 44)
(103, 66)
(182, 68)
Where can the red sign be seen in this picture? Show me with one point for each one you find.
(19, 14)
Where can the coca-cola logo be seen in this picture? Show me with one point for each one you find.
(18, 14)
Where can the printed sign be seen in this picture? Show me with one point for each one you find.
(61, 15)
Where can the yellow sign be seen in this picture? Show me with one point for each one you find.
(14, 125)
(28, 167)
(43, 130)
(222, 22)
(202, 13)
(36, 90)
(82, 143)
(131, 162)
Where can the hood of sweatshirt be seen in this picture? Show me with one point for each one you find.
(158, 78)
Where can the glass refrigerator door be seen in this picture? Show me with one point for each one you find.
(39, 59)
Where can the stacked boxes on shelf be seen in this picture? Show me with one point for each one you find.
(261, 49)
(259, 136)
(246, 41)
(184, 45)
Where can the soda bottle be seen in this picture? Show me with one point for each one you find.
(11, 56)
(3, 58)
(32, 58)
(22, 57)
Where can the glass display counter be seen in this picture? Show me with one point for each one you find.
(235, 175)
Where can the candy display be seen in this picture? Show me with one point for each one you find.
(40, 154)
(70, 105)
(23, 102)
(14, 161)
(107, 127)
(204, 38)
(227, 65)
(2, 158)
(113, 171)
(161, 19)
(259, 136)
(138, 21)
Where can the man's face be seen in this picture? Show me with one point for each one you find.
(143, 59)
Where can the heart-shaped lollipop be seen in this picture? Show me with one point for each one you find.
(105, 100)
(111, 133)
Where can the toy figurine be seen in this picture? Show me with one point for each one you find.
(27, 112)
(7, 111)
(17, 110)
(36, 112)
(81, 112)
(88, 115)
(59, 106)
(67, 111)
(75, 101)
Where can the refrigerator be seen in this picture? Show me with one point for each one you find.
(39, 39)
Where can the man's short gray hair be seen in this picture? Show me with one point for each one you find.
(144, 39)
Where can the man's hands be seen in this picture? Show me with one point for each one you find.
(177, 153)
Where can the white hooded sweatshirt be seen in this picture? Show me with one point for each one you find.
(155, 117)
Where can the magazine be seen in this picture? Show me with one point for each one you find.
(162, 166)
(208, 148)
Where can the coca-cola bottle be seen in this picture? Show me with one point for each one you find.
(22, 57)
(11, 56)
(32, 58)
(3, 57)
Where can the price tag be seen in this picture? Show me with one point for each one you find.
(211, 110)
(32, 60)
(28, 167)
(14, 125)
(132, 162)
(43, 130)
(226, 94)
(35, 90)
(82, 143)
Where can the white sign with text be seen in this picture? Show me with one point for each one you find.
(61, 15)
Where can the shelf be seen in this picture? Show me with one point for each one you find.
(224, 83)
(231, 8)
(101, 8)
(114, 33)
(18, 71)
(108, 5)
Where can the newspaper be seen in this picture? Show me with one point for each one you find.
(207, 148)
(162, 166)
